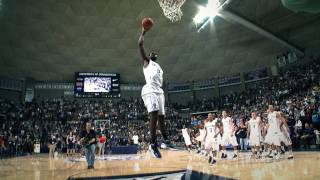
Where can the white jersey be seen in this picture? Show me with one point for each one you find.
(227, 128)
(255, 126)
(210, 127)
(153, 76)
(274, 124)
(202, 133)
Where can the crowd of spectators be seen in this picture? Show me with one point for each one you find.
(295, 92)
(50, 121)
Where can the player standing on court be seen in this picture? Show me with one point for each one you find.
(254, 134)
(273, 132)
(153, 95)
(285, 135)
(228, 136)
(211, 138)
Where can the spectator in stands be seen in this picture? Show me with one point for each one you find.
(307, 135)
(2, 147)
(295, 91)
(315, 119)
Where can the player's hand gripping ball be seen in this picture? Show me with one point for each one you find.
(147, 23)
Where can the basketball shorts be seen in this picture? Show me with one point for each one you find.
(187, 139)
(212, 143)
(255, 140)
(273, 138)
(154, 102)
(228, 139)
(285, 138)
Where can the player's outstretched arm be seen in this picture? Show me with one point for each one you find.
(142, 50)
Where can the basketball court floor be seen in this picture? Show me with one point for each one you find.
(173, 165)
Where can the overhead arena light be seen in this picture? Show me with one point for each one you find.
(207, 13)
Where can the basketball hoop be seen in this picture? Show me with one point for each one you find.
(172, 9)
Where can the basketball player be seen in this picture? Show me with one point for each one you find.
(211, 138)
(200, 138)
(186, 137)
(254, 134)
(263, 145)
(285, 135)
(228, 136)
(153, 96)
(273, 130)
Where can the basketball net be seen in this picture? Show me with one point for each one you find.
(172, 9)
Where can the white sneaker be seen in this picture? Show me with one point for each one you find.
(290, 156)
(277, 156)
(163, 146)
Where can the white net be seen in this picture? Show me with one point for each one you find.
(172, 9)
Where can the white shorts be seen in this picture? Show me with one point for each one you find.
(187, 140)
(255, 140)
(154, 102)
(228, 139)
(285, 139)
(273, 138)
(200, 138)
(212, 143)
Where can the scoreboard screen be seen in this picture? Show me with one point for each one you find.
(97, 85)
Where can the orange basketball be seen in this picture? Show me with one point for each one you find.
(147, 23)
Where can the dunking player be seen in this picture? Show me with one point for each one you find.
(153, 96)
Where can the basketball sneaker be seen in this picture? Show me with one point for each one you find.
(167, 145)
(290, 156)
(234, 156)
(154, 151)
(213, 161)
(277, 156)
(282, 150)
(224, 156)
(269, 154)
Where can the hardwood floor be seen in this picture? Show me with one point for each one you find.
(305, 165)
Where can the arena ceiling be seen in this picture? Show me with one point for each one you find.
(52, 39)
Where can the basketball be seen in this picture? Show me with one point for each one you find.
(147, 23)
